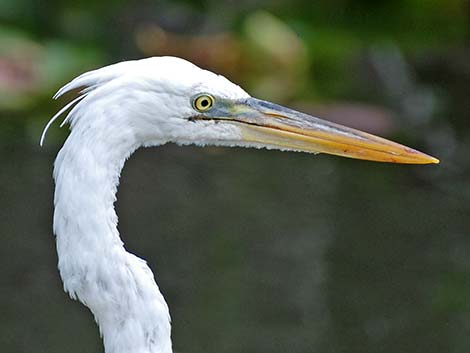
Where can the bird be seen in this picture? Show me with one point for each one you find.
(151, 102)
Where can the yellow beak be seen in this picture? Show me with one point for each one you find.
(274, 126)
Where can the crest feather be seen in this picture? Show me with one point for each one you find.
(90, 81)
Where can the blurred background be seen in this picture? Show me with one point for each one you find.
(256, 251)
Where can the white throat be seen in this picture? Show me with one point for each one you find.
(118, 287)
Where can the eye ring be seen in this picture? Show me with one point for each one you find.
(203, 102)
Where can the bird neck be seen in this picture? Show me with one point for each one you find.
(117, 286)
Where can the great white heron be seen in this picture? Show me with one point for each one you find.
(151, 102)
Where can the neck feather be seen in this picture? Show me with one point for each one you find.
(118, 287)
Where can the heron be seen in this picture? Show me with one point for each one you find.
(151, 102)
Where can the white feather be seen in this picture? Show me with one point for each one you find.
(57, 115)
(122, 107)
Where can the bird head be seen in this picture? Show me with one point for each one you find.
(167, 99)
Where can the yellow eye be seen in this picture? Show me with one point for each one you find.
(203, 102)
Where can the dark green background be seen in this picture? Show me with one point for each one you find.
(256, 251)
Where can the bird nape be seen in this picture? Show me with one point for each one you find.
(151, 102)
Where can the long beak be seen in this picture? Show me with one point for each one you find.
(275, 126)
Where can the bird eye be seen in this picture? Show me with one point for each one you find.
(203, 102)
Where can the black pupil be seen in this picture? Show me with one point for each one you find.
(204, 103)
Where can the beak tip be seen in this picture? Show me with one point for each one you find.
(426, 159)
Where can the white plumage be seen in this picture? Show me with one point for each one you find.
(146, 103)
(123, 107)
